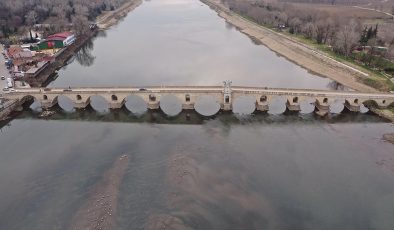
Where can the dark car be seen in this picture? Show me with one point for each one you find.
(143, 89)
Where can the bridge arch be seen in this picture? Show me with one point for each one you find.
(277, 105)
(152, 98)
(187, 98)
(171, 104)
(208, 105)
(32, 102)
(66, 103)
(99, 103)
(114, 97)
(135, 104)
(244, 105)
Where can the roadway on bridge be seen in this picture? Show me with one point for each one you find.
(204, 89)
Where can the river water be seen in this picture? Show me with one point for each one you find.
(237, 171)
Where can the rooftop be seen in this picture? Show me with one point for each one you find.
(60, 36)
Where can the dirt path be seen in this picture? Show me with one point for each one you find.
(110, 18)
(99, 211)
(299, 53)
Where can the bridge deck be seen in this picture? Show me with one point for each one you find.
(202, 90)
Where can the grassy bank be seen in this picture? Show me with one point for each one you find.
(376, 79)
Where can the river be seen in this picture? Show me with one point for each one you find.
(229, 171)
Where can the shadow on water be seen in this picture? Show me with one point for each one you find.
(193, 117)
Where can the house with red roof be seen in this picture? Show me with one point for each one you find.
(56, 41)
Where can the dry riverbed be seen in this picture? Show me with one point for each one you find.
(99, 211)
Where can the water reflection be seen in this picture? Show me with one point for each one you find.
(194, 117)
(280, 171)
(84, 56)
(167, 42)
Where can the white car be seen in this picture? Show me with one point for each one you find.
(6, 89)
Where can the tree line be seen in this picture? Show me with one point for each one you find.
(342, 34)
(18, 16)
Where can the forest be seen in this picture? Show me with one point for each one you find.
(18, 16)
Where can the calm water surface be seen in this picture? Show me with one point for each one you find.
(225, 172)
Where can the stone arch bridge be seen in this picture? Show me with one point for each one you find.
(188, 95)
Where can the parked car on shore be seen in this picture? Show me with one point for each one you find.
(2, 78)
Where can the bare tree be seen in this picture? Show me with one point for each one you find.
(80, 24)
(309, 30)
(31, 19)
(347, 39)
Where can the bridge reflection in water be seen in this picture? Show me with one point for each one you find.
(224, 96)
(192, 117)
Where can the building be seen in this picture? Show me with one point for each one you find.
(34, 71)
(67, 38)
(17, 52)
(56, 41)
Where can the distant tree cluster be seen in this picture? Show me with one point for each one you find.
(17, 16)
(343, 34)
(332, 2)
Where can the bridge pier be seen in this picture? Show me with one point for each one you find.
(353, 105)
(188, 106)
(322, 107)
(81, 104)
(47, 104)
(153, 105)
(115, 105)
(226, 106)
(292, 104)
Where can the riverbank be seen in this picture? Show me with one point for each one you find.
(105, 21)
(300, 53)
(43, 78)
(297, 52)
(110, 18)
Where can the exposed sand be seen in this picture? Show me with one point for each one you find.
(389, 137)
(110, 18)
(99, 211)
(386, 113)
(197, 186)
(299, 53)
